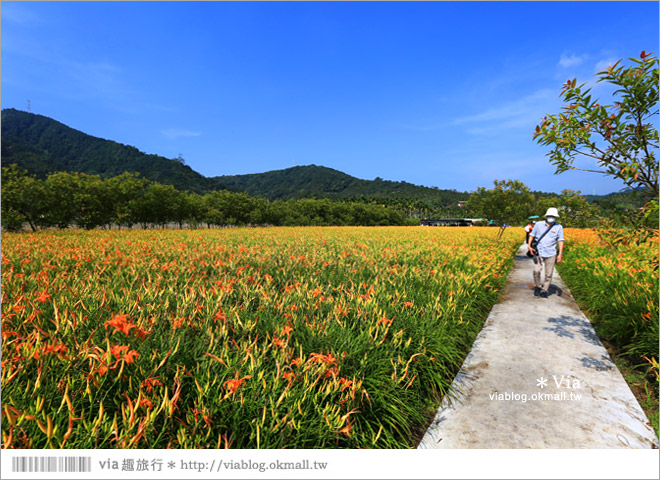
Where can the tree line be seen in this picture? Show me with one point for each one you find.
(66, 199)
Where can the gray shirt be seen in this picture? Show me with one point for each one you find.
(548, 246)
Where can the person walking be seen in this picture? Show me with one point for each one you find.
(550, 236)
(528, 230)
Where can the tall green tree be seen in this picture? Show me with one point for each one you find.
(574, 209)
(156, 204)
(23, 199)
(125, 189)
(509, 201)
(61, 189)
(93, 202)
(621, 137)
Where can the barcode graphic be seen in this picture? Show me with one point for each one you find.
(51, 464)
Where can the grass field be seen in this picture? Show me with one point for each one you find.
(243, 338)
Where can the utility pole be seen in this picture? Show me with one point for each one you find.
(29, 106)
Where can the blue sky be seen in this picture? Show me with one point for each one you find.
(442, 94)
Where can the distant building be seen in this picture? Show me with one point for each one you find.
(446, 222)
(462, 203)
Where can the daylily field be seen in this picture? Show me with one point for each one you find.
(312, 337)
(243, 338)
(617, 285)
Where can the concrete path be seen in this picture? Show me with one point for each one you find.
(538, 377)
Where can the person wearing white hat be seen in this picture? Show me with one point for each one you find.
(551, 236)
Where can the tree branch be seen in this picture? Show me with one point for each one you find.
(586, 170)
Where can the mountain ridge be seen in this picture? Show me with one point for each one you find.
(324, 182)
(42, 145)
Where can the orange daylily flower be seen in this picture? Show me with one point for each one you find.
(122, 352)
(345, 383)
(43, 296)
(120, 323)
(320, 358)
(150, 383)
(233, 384)
(386, 322)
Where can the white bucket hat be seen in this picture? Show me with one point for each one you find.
(552, 212)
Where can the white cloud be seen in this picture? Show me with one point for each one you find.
(177, 132)
(571, 60)
(603, 64)
(16, 13)
(521, 113)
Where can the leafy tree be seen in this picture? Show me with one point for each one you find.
(510, 201)
(574, 209)
(124, 189)
(93, 202)
(196, 208)
(216, 206)
(23, 199)
(61, 189)
(156, 204)
(257, 213)
(621, 137)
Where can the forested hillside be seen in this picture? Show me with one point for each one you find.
(319, 181)
(42, 145)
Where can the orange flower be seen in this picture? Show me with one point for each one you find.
(233, 384)
(317, 292)
(385, 322)
(220, 315)
(120, 323)
(347, 429)
(289, 376)
(130, 357)
(332, 372)
(43, 296)
(407, 304)
(117, 350)
(122, 353)
(141, 333)
(58, 349)
(176, 323)
(320, 358)
(150, 383)
(287, 330)
(345, 383)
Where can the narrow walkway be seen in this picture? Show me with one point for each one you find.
(538, 377)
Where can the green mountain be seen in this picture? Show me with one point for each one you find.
(627, 199)
(323, 182)
(42, 145)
